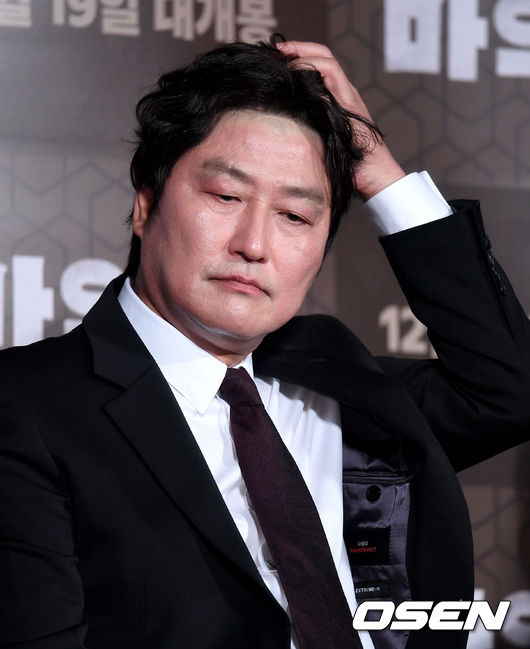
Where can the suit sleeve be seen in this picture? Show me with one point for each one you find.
(41, 595)
(476, 395)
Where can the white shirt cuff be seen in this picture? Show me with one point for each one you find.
(410, 201)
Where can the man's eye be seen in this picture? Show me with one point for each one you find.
(225, 198)
(294, 218)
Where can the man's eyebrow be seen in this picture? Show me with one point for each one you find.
(218, 165)
(312, 194)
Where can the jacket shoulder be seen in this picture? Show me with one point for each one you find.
(45, 361)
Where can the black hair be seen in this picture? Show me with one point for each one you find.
(188, 102)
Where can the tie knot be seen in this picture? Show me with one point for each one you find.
(238, 389)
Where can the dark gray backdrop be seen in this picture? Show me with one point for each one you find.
(447, 80)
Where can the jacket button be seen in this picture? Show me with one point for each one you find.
(373, 493)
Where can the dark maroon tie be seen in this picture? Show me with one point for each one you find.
(289, 520)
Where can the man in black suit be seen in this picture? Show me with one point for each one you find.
(124, 516)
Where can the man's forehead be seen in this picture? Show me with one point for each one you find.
(278, 127)
(248, 145)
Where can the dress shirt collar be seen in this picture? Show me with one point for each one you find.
(189, 369)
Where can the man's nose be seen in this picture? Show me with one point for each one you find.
(250, 236)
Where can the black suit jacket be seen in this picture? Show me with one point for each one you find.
(113, 532)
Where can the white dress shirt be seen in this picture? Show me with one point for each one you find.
(308, 423)
(412, 200)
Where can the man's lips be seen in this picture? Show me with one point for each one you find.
(241, 284)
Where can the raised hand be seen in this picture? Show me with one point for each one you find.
(379, 168)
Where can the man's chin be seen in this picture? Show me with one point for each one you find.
(225, 335)
(237, 337)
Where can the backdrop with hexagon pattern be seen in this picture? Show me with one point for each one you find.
(448, 81)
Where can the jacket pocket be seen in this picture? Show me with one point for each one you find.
(376, 514)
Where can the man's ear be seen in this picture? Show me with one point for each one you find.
(142, 210)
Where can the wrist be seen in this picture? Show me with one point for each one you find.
(377, 171)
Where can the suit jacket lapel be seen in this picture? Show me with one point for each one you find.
(146, 413)
(358, 387)
(320, 353)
